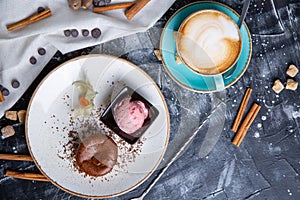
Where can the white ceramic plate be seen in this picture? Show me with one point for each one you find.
(47, 125)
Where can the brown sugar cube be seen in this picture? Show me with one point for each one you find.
(158, 54)
(12, 115)
(1, 97)
(292, 71)
(278, 86)
(291, 84)
(178, 60)
(21, 115)
(7, 131)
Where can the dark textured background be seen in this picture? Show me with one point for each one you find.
(265, 166)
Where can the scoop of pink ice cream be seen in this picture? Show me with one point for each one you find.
(130, 115)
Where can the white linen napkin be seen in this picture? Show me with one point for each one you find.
(17, 46)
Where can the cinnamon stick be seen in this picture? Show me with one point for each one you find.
(241, 110)
(132, 11)
(47, 13)
(2, 99)
(26, 175)
(15, 157)
(246, 124)
(113, 7)
(37, 17)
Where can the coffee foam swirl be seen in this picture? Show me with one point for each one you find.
(209, 42)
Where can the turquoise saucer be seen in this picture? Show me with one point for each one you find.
(184, 76)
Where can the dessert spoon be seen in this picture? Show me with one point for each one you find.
(240, 22)
(179, 152)
(244, 13)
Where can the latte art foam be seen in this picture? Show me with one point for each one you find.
(209, 42)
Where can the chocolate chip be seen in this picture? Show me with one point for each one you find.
(41, 51)
(85, 32)
(96, 32)
(67, 33)
(15, 83)
(40, 9)
(5, 92)
(32, 60)
(74, 33)
(99, 2)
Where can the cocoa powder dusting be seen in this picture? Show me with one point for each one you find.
(127, 153)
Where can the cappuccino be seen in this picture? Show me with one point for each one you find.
(209, 42)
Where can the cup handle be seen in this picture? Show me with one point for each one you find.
(219, 82)
(214, 82)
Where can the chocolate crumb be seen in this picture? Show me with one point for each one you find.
(41, 51)
(67, 33)
(32, 60)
